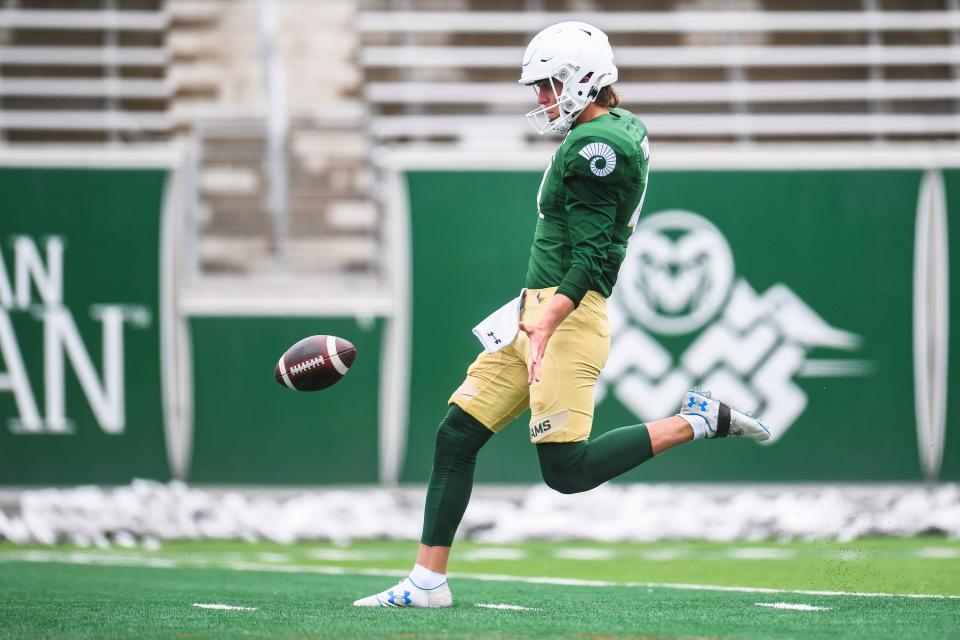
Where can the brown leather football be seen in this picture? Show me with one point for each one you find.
(315, 363)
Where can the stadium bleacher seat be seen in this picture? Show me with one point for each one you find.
(757, 71)
(84, 72)
(363, 75)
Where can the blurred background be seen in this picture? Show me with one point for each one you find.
(188, 187)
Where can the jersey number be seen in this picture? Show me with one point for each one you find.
(645, 148)
(636, 212)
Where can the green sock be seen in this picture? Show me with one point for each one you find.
(580, 466)
(459, 438)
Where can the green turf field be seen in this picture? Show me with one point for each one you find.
(590, 590)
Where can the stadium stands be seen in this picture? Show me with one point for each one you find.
(363, 75)
(331, 222)
(84, 71)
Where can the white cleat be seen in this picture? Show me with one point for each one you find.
(722, 419)
(407, 594)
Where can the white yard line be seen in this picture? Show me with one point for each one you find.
(804, 592)
(222, 607)
(938, 553)
(584, 553)
(791, 607)
(760, 553)
(509, 607)
(664, 555)
(492, 553)
(131, 559)
(346, 555)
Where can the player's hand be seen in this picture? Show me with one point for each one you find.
(539, 335)
(559, 307)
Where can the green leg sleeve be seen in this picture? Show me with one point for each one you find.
(459, 438)
(580, 466)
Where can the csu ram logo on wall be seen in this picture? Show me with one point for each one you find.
(32, 287)
(681, 316)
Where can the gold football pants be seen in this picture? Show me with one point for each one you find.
(495, 390)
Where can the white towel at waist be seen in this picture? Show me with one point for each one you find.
(500, 328)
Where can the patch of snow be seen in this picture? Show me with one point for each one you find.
(150, 511)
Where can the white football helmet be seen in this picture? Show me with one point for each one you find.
(579, 56)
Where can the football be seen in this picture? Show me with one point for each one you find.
(315, 363)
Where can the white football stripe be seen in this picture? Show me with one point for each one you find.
(283, 374)
(334, 356)
(791, 607)
(223, 607)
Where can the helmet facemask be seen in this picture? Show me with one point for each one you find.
(540, 116)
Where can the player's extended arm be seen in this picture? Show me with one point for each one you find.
(592, 201)
(591, 207)
(539, 333)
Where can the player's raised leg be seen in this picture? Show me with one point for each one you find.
(573, 467)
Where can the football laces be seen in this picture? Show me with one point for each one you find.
(307, 364)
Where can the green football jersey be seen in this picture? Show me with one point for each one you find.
(588, 204)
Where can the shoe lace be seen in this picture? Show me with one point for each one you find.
(708, 394)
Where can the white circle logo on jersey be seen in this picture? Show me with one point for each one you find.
(677, 273)
(603, 160)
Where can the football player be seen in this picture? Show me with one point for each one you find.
(588, 204)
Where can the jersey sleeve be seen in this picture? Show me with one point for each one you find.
(593, 179)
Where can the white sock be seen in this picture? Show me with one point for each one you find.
(699, 426)
(426, 579)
